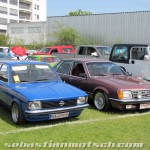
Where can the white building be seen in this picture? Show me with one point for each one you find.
(16, 11)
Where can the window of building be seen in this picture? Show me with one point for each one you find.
(19, 30)
(13, 12)
(13, 2)
(3, 21)
(37, 17)
(3, 10)
(4, 1)
(37, 7)
(34, 30)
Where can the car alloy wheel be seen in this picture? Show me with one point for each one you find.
(101, 101)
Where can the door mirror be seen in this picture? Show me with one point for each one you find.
(95, 54)
(147, 57)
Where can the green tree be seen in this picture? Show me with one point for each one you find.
(65, 36)
(3, 40)
(79, 12)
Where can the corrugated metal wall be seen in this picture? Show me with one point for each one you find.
(108, 29)
(132, 27)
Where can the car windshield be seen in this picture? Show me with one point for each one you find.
(103, 69)
(44, 50)
(105, 51)
(4, 56)
(33, 73)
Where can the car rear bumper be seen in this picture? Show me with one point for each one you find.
(130, 104)
(41, 115)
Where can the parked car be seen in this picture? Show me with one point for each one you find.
(52, 60)
(88, 51)
(34, 92)
(5, 50)
(4, 56)
(106, 84)
(64, 49)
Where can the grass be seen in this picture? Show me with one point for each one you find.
(91, 126)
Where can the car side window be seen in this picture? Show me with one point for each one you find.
(55, 50)
(138, 53)
(4, 73)
(120, 54)
(90, 50)
(78, 70)
(64, 68)
(82, 51)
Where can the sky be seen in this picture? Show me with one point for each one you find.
(63, 7)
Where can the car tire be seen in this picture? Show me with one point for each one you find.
(101, 101)
(17, 115)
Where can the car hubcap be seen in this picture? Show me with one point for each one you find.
(99, 101)
(15, 113)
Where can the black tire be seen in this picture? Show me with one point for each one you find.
(17, 115)
(101, 101)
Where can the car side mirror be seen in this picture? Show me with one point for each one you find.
(95, 54)
(147, 57)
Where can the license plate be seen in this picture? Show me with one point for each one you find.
(58, 116)
(144, 106)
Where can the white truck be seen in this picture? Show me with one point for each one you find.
(134, 58)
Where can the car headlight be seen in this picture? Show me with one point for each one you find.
(82, 100)
(124, 94)
(34, 105)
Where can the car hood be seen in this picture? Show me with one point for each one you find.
(48, 91)
(123, 82)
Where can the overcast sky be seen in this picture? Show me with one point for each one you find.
(63, 7)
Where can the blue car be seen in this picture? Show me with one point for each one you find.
(34, 92)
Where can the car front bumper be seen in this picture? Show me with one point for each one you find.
(130, 104)
(41, 115)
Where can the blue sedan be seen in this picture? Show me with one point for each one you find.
(34, 92)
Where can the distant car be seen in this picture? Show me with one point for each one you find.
(52, 60)
(31, 51)
(34, 92)
(4, 56)
(106, 84)
(63, 49)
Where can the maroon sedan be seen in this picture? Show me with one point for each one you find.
(106, 84)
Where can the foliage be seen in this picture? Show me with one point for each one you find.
(79, 12)
(4, 40)
(19, 42)
(65, 36)
(34, 45)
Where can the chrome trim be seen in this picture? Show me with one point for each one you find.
(56, 110)
(130, 100)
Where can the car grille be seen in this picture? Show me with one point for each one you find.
(143, 93)
(58, 104)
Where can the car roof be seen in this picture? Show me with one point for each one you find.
(59, 46)
(86, 60)
(4, 47)
(19, 62)
(42, 56)
(93, 46)
(131, 45)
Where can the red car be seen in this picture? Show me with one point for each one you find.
(106, 84)
(56, 49)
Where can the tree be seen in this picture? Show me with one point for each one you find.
(66, 36)
(3, 40)
(79, 12)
